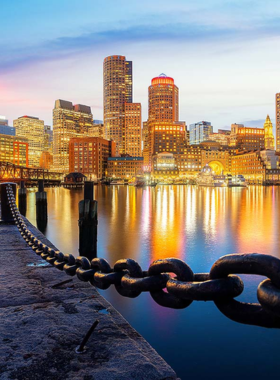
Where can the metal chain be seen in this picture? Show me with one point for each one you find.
(221, 285)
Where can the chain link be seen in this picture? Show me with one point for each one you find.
(171, 282)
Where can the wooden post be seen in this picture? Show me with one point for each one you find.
(41, 202)
(88, 223)
(6, 215)
(22, 198)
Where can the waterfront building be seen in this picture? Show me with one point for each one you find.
(277, 120)
(167, 137)
(259, 167)
(217, 158)
(88, 155)
(7, 130)
(200, 132)
(14, 149)
(124, 167)
(163, 100)
(69, 121)
(189, 163)
(246, 139)
(164, 167)
(117, 90)
(132, 131)
(268, 134)
(4, 121)
(31, 128)
(46, 160)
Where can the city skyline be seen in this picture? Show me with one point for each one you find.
(218, 85)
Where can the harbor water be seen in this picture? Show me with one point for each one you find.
(197, 225)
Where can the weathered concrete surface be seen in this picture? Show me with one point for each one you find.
(41, 326)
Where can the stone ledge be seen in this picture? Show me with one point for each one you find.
(41, 325)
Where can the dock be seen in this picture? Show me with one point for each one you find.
(45, 315)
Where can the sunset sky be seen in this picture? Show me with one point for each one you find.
(223, 55)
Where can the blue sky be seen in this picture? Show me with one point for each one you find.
(223, 55)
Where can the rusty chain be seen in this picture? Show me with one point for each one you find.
(221, 285)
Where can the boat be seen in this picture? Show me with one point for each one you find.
(236, 180)
(208, 178)
(117, 182)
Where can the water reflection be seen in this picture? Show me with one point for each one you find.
(197, 225)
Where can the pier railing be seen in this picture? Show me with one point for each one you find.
(171, 282)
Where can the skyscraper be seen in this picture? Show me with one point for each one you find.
(68, 121)
(277, 121)
(164, 133)
(200, 132)
(163, 99)
(33, 129)
(117, 90)
(132, 130)
(268, 134)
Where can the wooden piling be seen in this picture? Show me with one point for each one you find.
(41, 202)
(22, 200)
(88, 223)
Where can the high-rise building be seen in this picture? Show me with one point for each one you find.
(268, 134)
(88, 155)
(69, 121)
(247, 139)
(117, 90)
(4, 121)
(132, 131)
(163, 100)
(277, 121)
(6, 130)
(48, 139)
(14, 149)
(31, 128)
(200, 132)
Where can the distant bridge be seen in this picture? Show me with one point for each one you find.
(15, 173)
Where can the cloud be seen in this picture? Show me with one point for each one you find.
(177, 32)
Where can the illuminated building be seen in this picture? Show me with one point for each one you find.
(189, 163)
(132, 131)
(200, 132)
(164, 166)
(46, 160)
(163, 100)
(247, 139)
(97, 130)
(221, 138)
(218, 159)
(69, 121)
(33, 129)
(268, 134)
(167, 137)
(14, 149)
(4, 121)
(277, 120)
(124, 167)
(88, 155)
(117, 90)
(257, 167)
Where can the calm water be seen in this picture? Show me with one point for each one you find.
(197, 225)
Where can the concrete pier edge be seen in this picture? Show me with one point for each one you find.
(41, 325)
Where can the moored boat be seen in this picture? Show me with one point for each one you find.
(208, 178)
